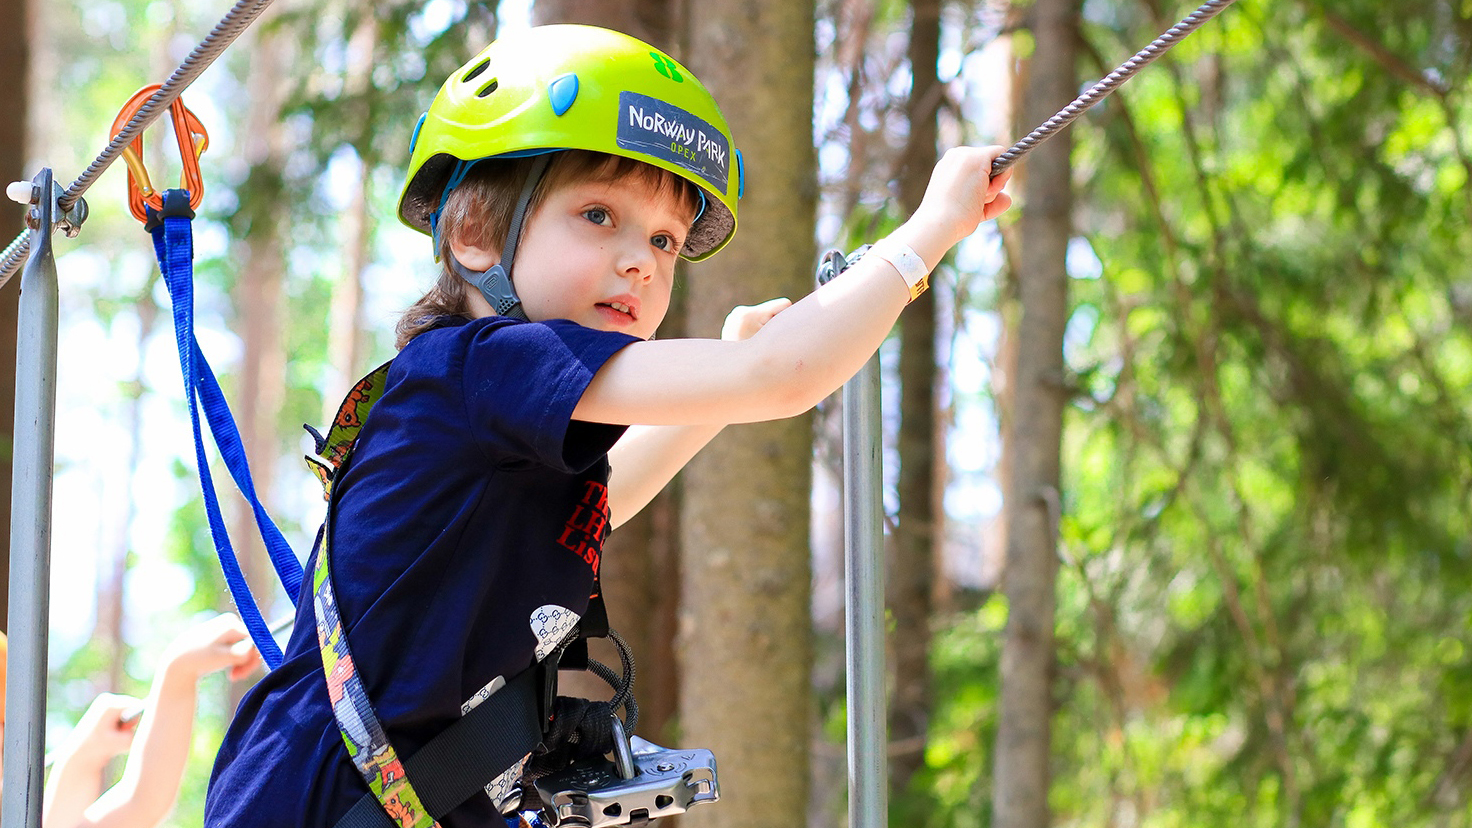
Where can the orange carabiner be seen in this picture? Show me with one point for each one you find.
(192, 139)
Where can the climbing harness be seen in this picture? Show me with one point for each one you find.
(567, 781)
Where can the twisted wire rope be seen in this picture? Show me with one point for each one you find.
(1111, 82)
(245, 11)
(235, 21)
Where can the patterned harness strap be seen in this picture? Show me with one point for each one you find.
(361, 730)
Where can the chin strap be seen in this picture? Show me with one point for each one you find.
(495, 284)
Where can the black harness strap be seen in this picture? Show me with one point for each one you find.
(459, 762)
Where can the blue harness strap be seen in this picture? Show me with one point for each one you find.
(173, 242)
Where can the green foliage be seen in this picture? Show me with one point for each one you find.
(1263, 609)
(1268, 466)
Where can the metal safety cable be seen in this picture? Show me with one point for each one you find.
(235, 21)
(1113, 81)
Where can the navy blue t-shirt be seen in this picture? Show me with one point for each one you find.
(468, 531)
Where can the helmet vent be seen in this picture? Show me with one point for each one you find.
(475, 72)
(487, 89)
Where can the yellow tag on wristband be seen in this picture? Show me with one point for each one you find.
(902, 258)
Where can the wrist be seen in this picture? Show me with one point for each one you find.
(911, 267)
(914, 250)
(83, 753)
(177, 671)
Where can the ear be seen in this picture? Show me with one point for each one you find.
(474, 258)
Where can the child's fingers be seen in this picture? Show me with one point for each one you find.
(770, 308)
(745, 320)
(244, 659)
(997, 182)
(997, 206)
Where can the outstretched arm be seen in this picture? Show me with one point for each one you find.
(809, 350)
(145, 794)
(647, 458)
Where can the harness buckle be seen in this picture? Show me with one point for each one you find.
(192, 139)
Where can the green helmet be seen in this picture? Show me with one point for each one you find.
(577, 87)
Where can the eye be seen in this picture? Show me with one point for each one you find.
(664, 241)
(597, 215)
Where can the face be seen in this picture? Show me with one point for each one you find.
(601, 254)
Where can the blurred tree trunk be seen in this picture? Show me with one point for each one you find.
(745, 642)
(346, 350)
(258, 298)
(112, 595)
(1021, 778)
(655, 22)
(912, 570)
(641, 559)
(16, 17)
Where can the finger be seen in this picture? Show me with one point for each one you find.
(117, 702)
(997, 182)
(997, 206)
(244, 669)
(772, 307)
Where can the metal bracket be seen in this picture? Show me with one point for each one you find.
(664, 783)
(68, 221)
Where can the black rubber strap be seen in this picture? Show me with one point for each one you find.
(469, 754)
(495, 283)
(513, 235)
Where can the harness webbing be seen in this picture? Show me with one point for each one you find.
(459, 761)
(173, 242)
(368, 746)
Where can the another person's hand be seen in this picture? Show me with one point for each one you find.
(219, 643)
(105, 730)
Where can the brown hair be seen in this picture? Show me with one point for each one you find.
(478, 213)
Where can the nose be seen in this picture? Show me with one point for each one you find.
(637, 261)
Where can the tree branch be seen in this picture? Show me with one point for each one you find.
(1388, 60)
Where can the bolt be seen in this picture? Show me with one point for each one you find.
(664, 767)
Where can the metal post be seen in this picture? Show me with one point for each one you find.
(30, 532)
(868, 779)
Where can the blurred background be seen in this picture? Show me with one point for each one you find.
(1177, 452)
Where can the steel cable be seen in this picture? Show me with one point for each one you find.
(235, 21)
(246, 11)
(1113, 81)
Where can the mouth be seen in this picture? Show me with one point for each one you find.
(622, 308)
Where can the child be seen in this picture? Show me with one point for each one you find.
(466, 529)
(159, 738)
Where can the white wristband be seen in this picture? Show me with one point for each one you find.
(902, 258)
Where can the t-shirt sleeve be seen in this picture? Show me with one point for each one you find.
(522, 382)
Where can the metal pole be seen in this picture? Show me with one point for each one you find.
(30, 532)
(868, 778)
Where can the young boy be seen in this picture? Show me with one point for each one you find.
(561, 173)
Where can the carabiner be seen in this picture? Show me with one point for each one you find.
(192, 140)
